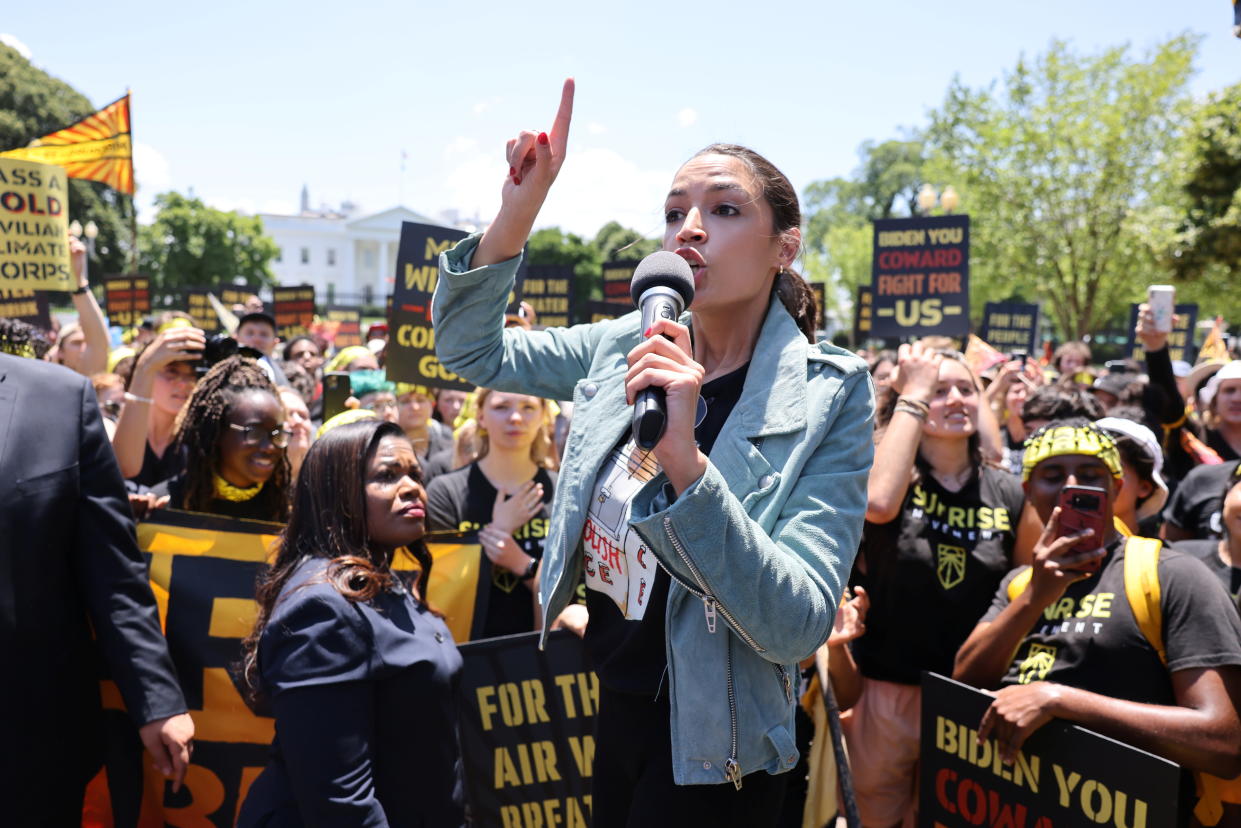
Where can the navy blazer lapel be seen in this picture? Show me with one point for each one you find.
(8, 404)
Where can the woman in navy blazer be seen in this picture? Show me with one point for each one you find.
(359, 672)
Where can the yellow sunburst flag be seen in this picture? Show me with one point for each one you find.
(96, 148)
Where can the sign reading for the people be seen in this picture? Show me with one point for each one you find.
(1010, 326)
(549, 290)
(347, 319)
(863, 314)
(127, 298)
(920, 276)
(1064, 776)
(294, 310)
(30, 306)
(527, 731)
(1180, 341)
(199, 306)
(203, 569)
(34, 227)
(411, 344)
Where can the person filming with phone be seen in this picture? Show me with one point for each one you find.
(1107, 630)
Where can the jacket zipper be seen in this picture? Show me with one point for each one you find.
(785, 681)
(732, 768)
(710, 603)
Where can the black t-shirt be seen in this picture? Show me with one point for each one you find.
(931, 573)
(1207, 551)
(1196, 504)
(461, 501)
(1222, 447)
(1090, 639)
(156, 469)
(629, 656)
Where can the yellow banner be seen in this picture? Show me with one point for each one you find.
(203, 571)
(34, 229)
(96, 148)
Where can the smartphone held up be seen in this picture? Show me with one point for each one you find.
(1082, 507)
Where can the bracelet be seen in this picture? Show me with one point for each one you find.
(531, 570)
(80, 291)
(136, 399)
(914, 406)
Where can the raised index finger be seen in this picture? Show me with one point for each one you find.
(559, 135)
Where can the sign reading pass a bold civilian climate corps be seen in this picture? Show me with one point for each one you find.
(34, 209)
(920, 276)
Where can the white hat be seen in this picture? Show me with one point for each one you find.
(1146, 439)
(1232, 370)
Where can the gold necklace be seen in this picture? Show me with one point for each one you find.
(227, 491)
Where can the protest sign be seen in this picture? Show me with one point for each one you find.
(347, 320)
(1010, 326)
(920, 276)
(199, 306)
(863, 314)
(616, 279)
(603, 311)
(127, 298)
(549, 290)
(34, 227)
(30, 306)
(527, 731)
(203, 570)
(411, 345)
(294, 310)
(1064, 776)
(1180, 341)
(234, 297)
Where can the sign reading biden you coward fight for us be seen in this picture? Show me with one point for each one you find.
(34, 228)
(411, 344)
(920, 277)
(1064, 776)
(526, 725)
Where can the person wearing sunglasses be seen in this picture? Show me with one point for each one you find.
(233, 435)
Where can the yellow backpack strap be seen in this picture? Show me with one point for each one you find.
(1019, 583)
(1142, 589)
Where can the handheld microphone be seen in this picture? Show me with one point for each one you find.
(662, 288)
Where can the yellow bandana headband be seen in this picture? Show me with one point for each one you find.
(1056, 441)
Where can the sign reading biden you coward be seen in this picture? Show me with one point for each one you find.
(527, 724)
(920, 277)
(1064, 776)
(34, 228)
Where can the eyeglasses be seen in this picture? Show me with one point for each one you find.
(381, 405)
(111, 408)
(252, 435)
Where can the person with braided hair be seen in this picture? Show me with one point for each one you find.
(233, 436)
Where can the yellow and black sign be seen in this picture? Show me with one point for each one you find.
(29, 306)
(203, 570)
(920, 277)
(1011, 326)
(549, 290)
(127, 298)
(294, 310)
(347, 321)
(863, 314)
(34, 227)
(199, 306)
(616, 279)
(1064, 776)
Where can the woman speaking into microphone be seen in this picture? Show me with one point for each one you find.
(713, 563)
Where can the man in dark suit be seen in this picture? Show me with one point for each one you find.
(69, 564)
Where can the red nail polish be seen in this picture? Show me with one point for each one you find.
(512, 171)
(648, 331)
(543, 138)
(516, 179)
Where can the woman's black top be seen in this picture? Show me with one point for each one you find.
(256, 508)
(156, 469)
(364, 696)
(461, 501)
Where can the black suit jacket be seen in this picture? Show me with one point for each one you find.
(69, 561)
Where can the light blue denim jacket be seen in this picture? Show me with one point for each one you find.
(759, 548)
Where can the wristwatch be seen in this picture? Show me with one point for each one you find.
(80, 291)
(531, 570)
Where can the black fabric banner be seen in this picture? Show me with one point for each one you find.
(30, 306)
(920, 277)
(1064, 777)
(527, 731)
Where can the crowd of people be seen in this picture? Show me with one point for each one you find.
(884, 513)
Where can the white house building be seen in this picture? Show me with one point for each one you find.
(349, 258)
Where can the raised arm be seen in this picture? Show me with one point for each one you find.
(90, 316)
(129, 440)
(916, 376)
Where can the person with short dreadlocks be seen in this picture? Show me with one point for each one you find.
(233, 435)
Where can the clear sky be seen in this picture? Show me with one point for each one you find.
(246, 102)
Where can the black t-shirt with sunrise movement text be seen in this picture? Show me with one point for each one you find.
(1090, 638)
(932, 571)
(461, 501)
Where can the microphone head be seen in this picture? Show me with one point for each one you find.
(662, 269)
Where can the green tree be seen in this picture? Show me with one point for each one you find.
(1204, 250)
(552, 246)
(1062, 172)
(618, 243)
(32, 104)
(190, 244)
